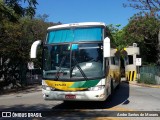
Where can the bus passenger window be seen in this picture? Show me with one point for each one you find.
(116, 61)
(112, 60)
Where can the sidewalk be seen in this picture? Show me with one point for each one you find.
(143, 84)
(32, 88)
(140, 84)
(26, 89)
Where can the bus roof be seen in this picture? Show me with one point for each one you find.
(77, 25)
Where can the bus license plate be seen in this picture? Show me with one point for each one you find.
(70, 96)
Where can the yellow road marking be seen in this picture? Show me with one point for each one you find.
(108, 118)
(119, 109)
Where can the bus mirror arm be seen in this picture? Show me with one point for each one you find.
(106, 47)
(33, 52)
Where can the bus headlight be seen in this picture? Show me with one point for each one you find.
(99, 87)
(45, 87)
(48, 88)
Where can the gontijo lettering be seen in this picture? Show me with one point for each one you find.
(60, 84)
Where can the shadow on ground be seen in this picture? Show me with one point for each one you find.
(82, 110)
(120, 96)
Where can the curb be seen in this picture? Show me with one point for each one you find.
(143, 85)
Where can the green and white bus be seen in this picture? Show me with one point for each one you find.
(78, 62)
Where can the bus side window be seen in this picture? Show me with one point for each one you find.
(116, 61)
(112, 61)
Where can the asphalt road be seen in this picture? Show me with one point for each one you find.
(127, 97)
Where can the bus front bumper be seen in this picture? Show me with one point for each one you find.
(99, 95)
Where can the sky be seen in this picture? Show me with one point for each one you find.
(71, 11)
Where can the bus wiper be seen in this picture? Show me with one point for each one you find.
(80, 69)
(60, 66)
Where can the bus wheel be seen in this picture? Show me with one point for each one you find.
(111, 88)
(118, 84)
(111, 91)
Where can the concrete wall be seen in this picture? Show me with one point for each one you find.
(131, 69)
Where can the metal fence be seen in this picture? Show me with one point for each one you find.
(33, 76)
(150, 74)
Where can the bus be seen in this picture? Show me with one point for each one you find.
(78, 62)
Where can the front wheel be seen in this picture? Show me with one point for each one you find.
(111, 91)
(111, 87)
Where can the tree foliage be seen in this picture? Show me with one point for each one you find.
(150, 7)
(117, 36)
(13, 10)
(144, 28)
(15, 43)
(13, 46)
(144, 31)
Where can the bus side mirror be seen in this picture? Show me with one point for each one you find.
(34, 46)
(106, 47)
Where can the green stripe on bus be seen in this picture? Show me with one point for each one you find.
(77, 84)
(85, 84)
(90, 83)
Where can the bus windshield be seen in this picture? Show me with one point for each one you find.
(75, 35)
(73, 61)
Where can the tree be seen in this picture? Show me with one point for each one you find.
(146, 6)
(144, 31)
(144, 28)
(13, 10)
(15, 43)
(117, 36)
(12, 49)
